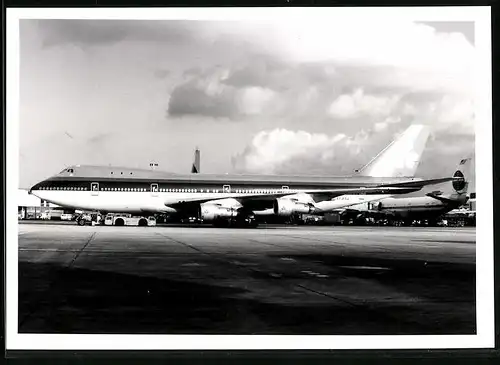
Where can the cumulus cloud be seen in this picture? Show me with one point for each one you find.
(282, 151)
(446, 59)
(207, 93)
(300, 152)
(204, 95)
(271, 148)
(358, 103)
(447, 113)
(260, 71)
(416, 54)
(380, 126)
(253, 100)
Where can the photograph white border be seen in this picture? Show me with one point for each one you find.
(484, 184)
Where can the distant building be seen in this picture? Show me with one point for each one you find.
(30, 206)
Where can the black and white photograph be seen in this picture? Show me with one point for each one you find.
(286, 178)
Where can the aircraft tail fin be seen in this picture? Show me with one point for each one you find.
(458, 189)
(463, 172)
(195, 168)
(401, 157)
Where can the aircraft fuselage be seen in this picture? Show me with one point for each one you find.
(133, 190)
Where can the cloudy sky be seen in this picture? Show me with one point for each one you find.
(320, 98)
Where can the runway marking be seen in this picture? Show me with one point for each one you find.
(191, 264)
(240, 263)
(81, 250)
(34, 309)
(329, 296)
(94, 251)
(271, 274)
(365, 267)
(310, 239)
(313, 273)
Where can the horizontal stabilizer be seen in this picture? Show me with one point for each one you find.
(441, 198)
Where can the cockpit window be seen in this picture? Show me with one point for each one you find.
(70, 171)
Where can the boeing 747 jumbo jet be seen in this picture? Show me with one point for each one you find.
(126, 190)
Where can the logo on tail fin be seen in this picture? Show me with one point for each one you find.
(459, 182)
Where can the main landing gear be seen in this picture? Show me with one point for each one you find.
(236, 222)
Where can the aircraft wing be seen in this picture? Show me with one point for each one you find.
(422, 183)
(243, 198)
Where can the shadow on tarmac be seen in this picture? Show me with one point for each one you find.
(55, 299)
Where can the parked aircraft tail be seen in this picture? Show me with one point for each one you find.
(195, 168)
(463, 171)
(401, 157)
(457, 190)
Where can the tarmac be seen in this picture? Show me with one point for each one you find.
(270, 280)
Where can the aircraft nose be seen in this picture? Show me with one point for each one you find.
(34, 187)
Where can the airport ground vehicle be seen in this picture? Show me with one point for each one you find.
(87, 219)
(45, 216)
(128, 220)
(66, 217)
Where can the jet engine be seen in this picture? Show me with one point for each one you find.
(287, 207)
(213, 212)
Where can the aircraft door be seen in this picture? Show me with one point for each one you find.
(94, 188)
(226, 188)
(154, 189)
